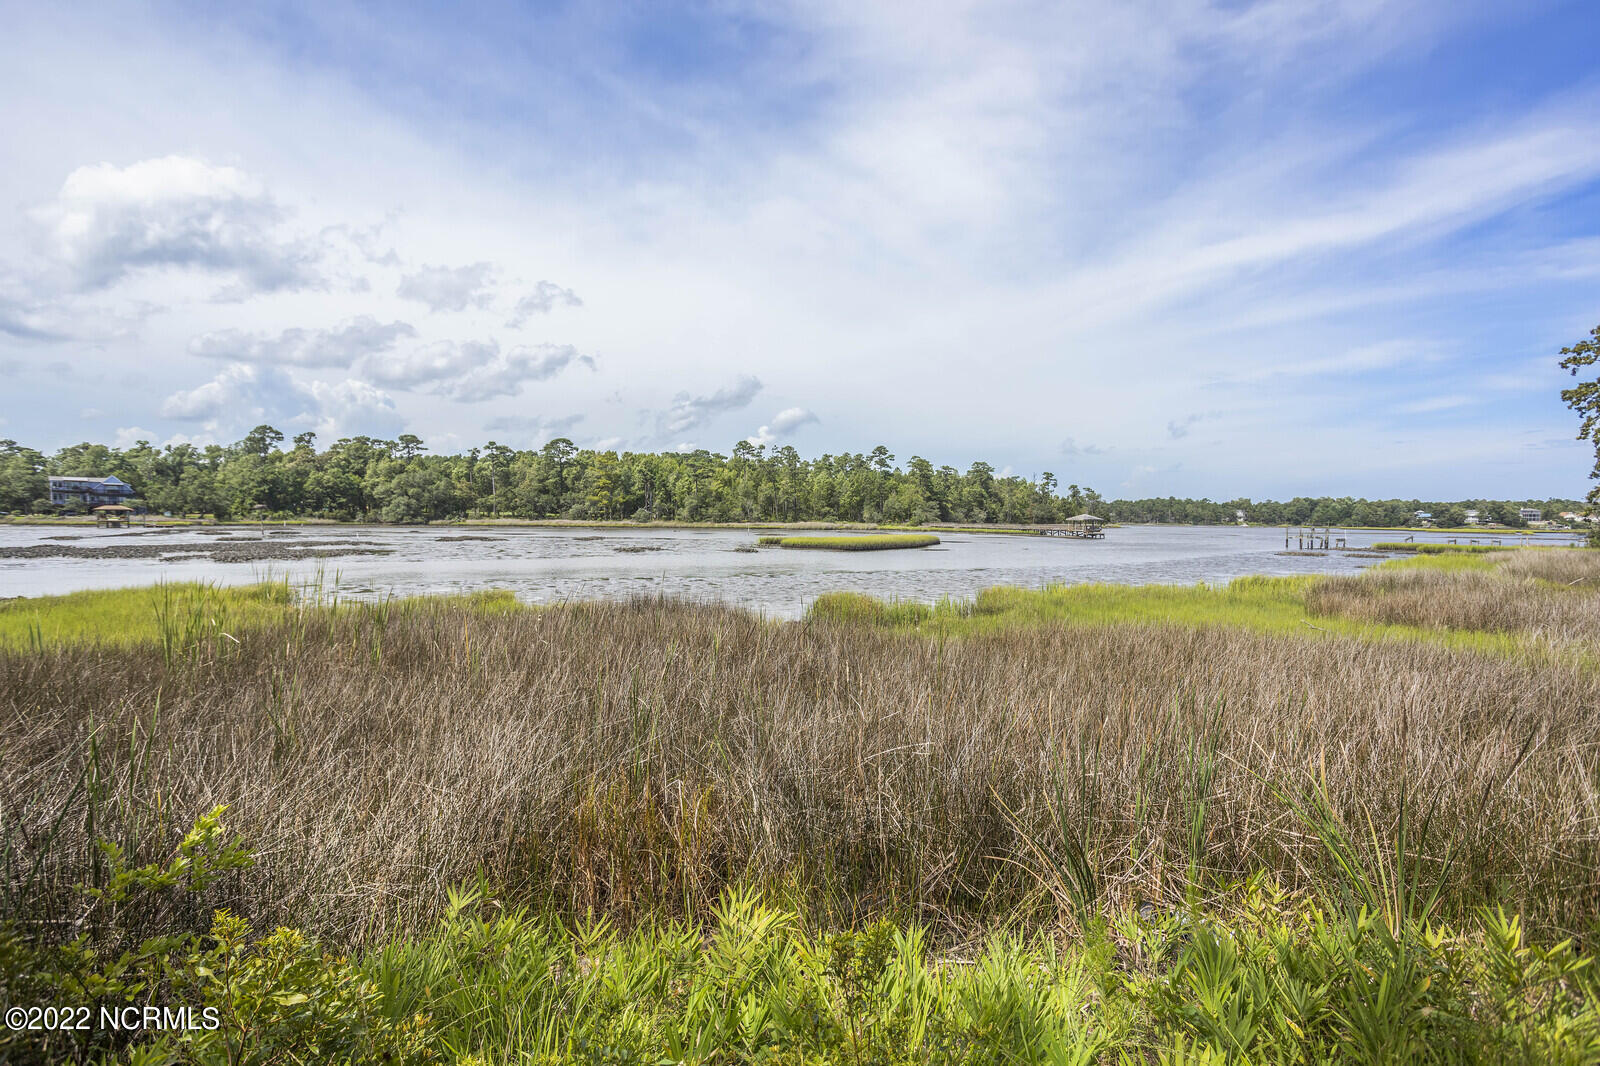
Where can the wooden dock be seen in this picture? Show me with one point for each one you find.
(1080, 527)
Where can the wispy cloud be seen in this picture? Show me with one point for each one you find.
(449, 288)
(1431, 404)
(692, 412)
(544, 298)
(340, 346)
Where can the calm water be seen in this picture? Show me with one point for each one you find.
(545, 565)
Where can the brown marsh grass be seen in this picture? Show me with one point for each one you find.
(1553, 594)
(636, 758)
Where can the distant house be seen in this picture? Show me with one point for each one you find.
(1422, 518)
(1238, 516)
(89, 491)
(1530, 514)
(1473, 517)
(1574, 517)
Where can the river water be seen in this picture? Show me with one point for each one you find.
(543, 565)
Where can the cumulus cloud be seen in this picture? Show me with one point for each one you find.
(240, 396)
(473, 370)
(430, 363)
(109, 222)
(346, 408)
(128, 436)
(342, 346)
(690, 412)
(541, 301)
(242, 393)
(1071, 447)
(449, 288)
(783, 423)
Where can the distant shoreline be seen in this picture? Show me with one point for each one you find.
(601, 523)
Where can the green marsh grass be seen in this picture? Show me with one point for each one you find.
(1427, 548)
(871, 542)
(174, 613)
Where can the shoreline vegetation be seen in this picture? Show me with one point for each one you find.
(1280, 820)
(398, 482)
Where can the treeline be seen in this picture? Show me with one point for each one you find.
(1333, 511)
(398, 481)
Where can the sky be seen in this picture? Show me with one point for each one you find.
(1158, 247)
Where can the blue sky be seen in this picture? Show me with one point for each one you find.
(1182, 248)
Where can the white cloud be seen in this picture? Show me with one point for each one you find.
(473, 370)
(505, 375)
(689, 412)
(429, 363)
(792, 418)
(449, 288)
(109, 222)
(338, 347)
(241, 393)
(541, 301)
(127, 436)
(349, 408)
(783, 424)
(241, 396)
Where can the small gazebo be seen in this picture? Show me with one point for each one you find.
(112, 515)
(1084, 525)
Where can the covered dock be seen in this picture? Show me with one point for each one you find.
(1082, 526)
(112, 515)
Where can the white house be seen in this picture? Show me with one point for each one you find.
(89, 491)
(1473, 517)
(1530, 514)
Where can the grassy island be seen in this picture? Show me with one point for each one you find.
(1279, 820)
(868, 543)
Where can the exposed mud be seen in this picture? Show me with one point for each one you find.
(237, 551)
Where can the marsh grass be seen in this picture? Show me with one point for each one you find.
(871, 542)
(1049, 825)
(1426, 548)
(640, 758)
(171, 613)
(1547, 596)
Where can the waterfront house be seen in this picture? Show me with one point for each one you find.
(1473, 518)
(89, 491)
(1530, 514)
